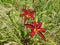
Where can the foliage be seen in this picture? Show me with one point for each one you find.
(11, 24)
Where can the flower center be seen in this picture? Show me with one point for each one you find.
(28, 16)
(36, 30)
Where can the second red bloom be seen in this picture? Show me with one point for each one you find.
(36, 28)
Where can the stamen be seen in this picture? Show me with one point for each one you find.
(36, 30)
(27, 16)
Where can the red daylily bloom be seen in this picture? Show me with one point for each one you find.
(27, 14)
(36, 28)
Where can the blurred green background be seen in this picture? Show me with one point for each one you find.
(12, 29)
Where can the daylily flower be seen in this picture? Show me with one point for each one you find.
(36, 28)
(27, 14)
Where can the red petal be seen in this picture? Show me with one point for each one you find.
(32, 12)
(42, 35)
(22, 14)
(34, 23)
(24, 10)
(29, 26)
(42, 30)
(32, 16)
(39, 25)
(32, 34)
(29, 10)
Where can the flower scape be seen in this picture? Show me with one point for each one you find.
(36, 27)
